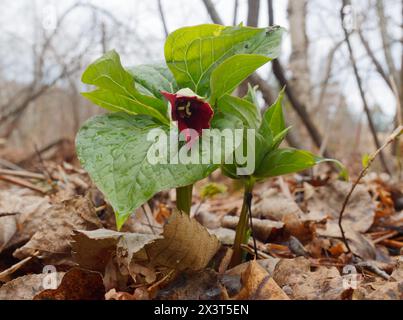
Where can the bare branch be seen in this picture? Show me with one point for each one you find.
(162, 16)
(360, 87)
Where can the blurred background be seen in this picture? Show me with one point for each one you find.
(341, 63)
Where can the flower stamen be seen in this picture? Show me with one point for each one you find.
(186, 109)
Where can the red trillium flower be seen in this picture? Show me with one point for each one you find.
(190, 110)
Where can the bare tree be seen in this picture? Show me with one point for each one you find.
(298, 64)
(367, 110)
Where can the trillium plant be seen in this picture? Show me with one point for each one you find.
(173, 124)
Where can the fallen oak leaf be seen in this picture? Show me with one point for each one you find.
(76, 284)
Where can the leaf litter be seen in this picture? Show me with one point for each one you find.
(163, 254)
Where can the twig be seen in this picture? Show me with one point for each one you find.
(23, 173)
(198, 207)
(396, 133)
(148, 220)
(45, 170)
(22, 183)
(372, 267)
(163, 20)
(98, 209)
(392, 243)
(4, 275)
(9, 165)
(386, 236)
(8, 214)
(249, 204)
(260, 254)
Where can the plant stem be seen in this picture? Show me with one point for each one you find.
(184, 198)
(241, 233)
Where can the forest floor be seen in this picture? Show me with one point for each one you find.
(58, 239)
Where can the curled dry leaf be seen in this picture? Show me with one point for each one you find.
(53, 237)
(259, 285)
(184, 244)
(304, 284)
(26, 287)
(76, 284)
(102, 249)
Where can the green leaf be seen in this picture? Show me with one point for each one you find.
(251, 95)
(273, 122)
(116, 86)
(288, 160)
(365, 159)
(192, 53)
(113, 150)
(279, 138)
(154, 78)
(211, 189)
(272, 130)
(229, 74)
(236, 112)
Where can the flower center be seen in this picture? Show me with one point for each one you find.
(184, 110)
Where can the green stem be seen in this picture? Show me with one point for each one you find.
(241, 233)
(184, 198)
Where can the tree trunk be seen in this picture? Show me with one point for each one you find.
(298, 64)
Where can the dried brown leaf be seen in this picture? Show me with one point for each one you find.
(25, 287)
(328, 199)
(304, 284)
(53, 237)
(77, 284)
(23, 209)
(359, 243)
(199, 285)
(186, 245)
(259, 285)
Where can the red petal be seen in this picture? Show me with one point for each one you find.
(171, 97)
(201, 118)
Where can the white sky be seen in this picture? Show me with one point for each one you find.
(145, 41)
